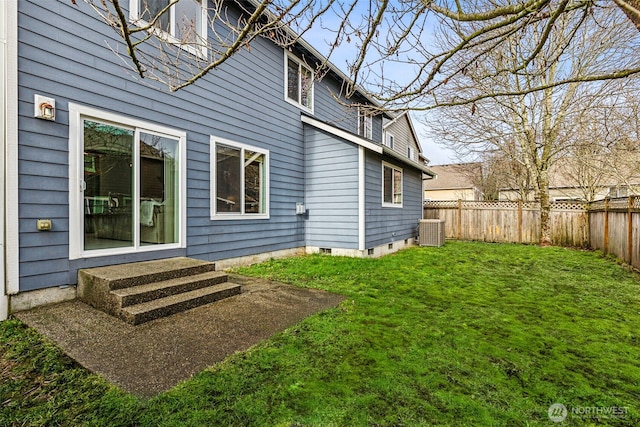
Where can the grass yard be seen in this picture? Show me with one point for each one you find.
(468, 334)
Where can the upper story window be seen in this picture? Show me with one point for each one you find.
(298, 83)
(388, 141)
(365, 124)
(411, 153)
(391, 186)
(240, 181)
(183, 23)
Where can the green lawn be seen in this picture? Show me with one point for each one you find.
(467, 334)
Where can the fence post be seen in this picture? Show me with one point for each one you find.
(606, 226)
(459, 219)
(519, 221)
(630, 229)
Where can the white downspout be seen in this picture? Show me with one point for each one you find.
(9, 248)
(361, 199)
(4, 299)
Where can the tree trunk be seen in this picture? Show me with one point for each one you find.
(545, 208)
(633, 17)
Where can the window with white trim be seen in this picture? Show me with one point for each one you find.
(183, 23)
(391, 185)
(365, 124)
(298, 82)
(411, 153)
(388, 141)
(240, 180)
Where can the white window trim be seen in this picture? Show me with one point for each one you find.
(368, 128)
(213, 196)
(76, 180)
(134, 17)
(411, 153)
(300, 62)
(392, 205)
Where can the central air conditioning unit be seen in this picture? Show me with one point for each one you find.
(431, 232)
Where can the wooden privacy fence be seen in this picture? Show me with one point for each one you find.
(615, 228)
(514, 222)
(611, 225)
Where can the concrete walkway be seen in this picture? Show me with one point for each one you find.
(155, 356)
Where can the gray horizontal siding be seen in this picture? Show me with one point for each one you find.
(403, 137)
(331, 191)
(385, 224)
(63, 53)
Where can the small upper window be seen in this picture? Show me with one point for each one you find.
(410, 153)
(365, 124)
(389, 140)
(298, 83)
(184, 22)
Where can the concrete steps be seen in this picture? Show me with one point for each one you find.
(144, 291)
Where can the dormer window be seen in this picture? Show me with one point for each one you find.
(183, 23)
(298, 83)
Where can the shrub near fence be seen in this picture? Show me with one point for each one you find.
(512, 222)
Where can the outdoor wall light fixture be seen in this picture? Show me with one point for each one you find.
(44, 108)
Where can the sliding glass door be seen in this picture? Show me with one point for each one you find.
(131, 188)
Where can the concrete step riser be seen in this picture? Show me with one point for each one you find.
(138, 318)
(159, 277)
(129, 300)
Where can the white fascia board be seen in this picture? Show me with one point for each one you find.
(406, 161)
(342, 134)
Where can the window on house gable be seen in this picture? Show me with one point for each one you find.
(184, 22)
(298, 83)
(239, 174)
(410, 153)
(388, 141)
(365, 124)
(391, 186)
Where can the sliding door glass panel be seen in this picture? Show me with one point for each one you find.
(158, 189)
(109, 183)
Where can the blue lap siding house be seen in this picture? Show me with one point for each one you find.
(240, 166)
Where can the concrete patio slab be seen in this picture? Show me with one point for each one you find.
(153, 357)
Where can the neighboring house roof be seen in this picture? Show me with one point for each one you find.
(453, 176)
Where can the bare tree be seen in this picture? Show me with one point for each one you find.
(532, 127)
(384, 35)
(605, 152)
